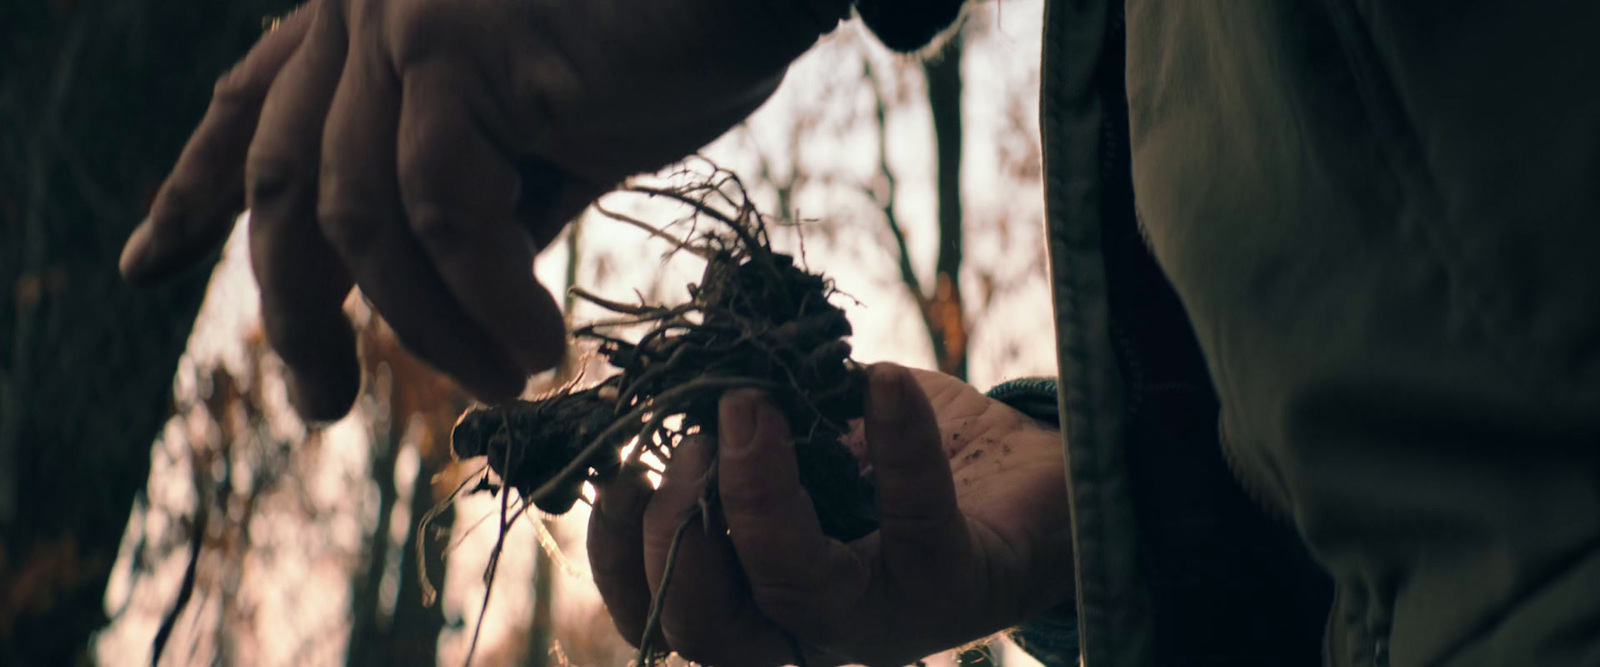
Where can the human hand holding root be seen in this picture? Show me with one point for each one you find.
(973, 535)
(426, 149)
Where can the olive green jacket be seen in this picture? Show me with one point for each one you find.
(1328, 265)
(1175, 563)
(1378, 219)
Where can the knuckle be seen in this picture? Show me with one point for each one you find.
(789, 602)
(233, 87)
(269, 175)
(244, 85)
(660, 523)
(751, 501)
(345, 222)
(426, 29)
(432, 224)
(547, 87)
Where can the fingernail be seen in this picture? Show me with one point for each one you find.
(500, 380)
(887, 389)
(136, 252)
(319, 403)
(544, 344)
(738, 415)
(543, 354)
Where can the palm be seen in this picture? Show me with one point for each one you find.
(1007, 465)
(1009, 468)
(973, 534)
(1009, 475)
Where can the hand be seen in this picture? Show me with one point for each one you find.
(974, 535)
(427, 149)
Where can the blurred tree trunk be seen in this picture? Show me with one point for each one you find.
(368, 617)
(943, 312)
(413, 637)
(541, 631)
(943, 309)
(402, 395)
(407, 634)
(96, 99)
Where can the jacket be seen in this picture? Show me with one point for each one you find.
(1176, 564)
(1325, 305)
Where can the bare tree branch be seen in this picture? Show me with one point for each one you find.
(886, 203)
(946, 312)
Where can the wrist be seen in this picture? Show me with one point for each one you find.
(824, 15)
(909, 26)
(765, 34)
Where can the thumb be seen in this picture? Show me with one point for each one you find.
(918, 519)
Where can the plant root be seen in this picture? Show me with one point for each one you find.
(754, 320)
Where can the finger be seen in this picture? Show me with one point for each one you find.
(303, 283)
(855, 440)
(360, 212)
(550, 197)
(616, 550)
(460, 195)
(195, 208)
(707, 615)
(797, 575)
(920, 525)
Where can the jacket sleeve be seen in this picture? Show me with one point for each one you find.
(908, 25)
(1052, 638)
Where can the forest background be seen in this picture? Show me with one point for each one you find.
(242, 537)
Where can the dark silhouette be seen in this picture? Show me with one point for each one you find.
(96, 98)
